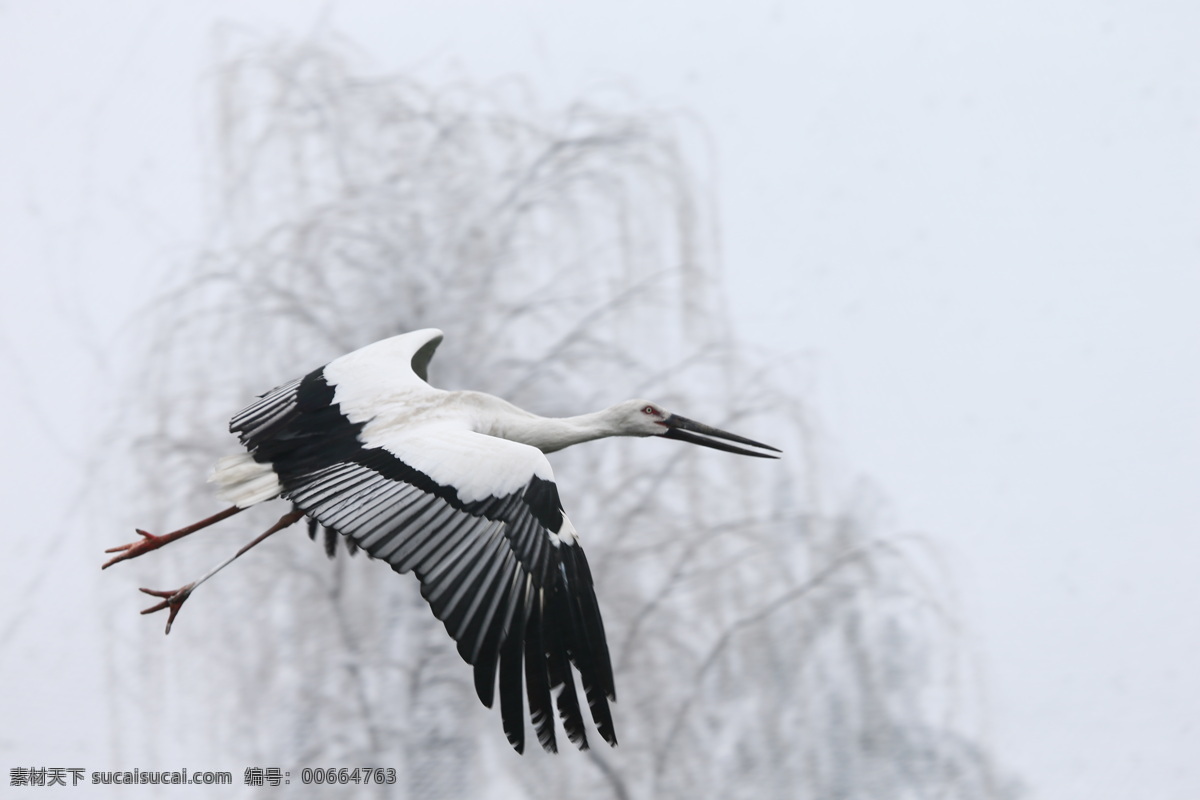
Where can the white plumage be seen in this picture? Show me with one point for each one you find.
(454, 487)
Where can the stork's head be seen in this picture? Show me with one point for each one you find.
(645, 418)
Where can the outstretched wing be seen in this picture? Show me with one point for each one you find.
(503, 570)
(476, 518)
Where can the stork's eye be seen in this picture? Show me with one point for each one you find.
(652, 411)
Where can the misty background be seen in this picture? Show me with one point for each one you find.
(949, 256)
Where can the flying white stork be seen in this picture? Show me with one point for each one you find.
(455, 487)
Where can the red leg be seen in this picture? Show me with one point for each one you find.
(174, 599)
(150, 542)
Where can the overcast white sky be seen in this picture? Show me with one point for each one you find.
(979, 225)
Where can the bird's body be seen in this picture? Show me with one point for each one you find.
(453, 486)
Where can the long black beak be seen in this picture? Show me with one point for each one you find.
(686, 430)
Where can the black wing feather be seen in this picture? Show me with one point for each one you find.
(537, 678)
(557, 638)
(512, 706)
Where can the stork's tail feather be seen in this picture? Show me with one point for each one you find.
(243, 481)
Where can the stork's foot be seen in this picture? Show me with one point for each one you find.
(150, 542)
(172, 599)
(137, 548)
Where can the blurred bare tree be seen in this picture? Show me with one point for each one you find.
(765, 645)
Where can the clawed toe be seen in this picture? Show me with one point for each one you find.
(143, 545)
(172, 599)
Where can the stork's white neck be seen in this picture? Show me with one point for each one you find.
(549, 433)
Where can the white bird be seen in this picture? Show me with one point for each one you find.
(455, 487)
